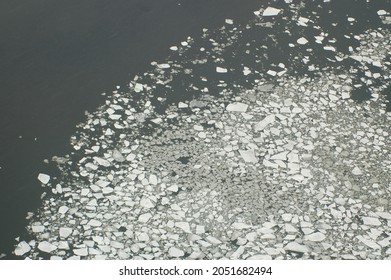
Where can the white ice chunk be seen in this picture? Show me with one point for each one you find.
(248, 156)
(163, 66)
(356, 171)
(270, 11)
(302, 41)
(264, 123)
(47, 247)
(153, 179)
(296, 247)
(83, 252)
(44, 178)
(175, 252)
(221, 70)
(138, 87)
(65, 232)
(229, 21)
(144, 218)
(22, 248)
(381, 12)
(237, 107)
(183, 226)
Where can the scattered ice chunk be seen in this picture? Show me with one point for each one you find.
(302, 41)
(345, 95)
(246, 71)
(229, 21)
(173, 188)
(212, 240)
(356, 171)
(117, 156)
(183, 226)
(175, 252)
(356, 57)
(248, 156)
(163, 66)
(138, 87)
(270, 11)
(44, 178)
(102, 161)
(237, 107)
(146, 203)
(82, 252)
(47, 247)
(221, 70)
(174, 48)
(370, 243)
(315, 237)
(271, 73)
(329, 48)
(22, 248)
(65, 232)
(296, 247)
(240, 226)
(144, 218)
(279, 156)
(153, 179)
(37, 228)
(182, 105)
(130, 157)
(370, 221)
(264, 123)
(94, 223)
(236, 255)
(381, 12)
(102, 183)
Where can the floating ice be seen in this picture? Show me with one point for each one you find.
(175, 252)
(248, 156)
(221, 70)
(22, 248)
(296, 247)
(264, 123)
(270, 11)
(237, 107)
(43, 178)
(47, 247)
(302, 41)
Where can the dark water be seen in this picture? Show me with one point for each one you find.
(57, 57)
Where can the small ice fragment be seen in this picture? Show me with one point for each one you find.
(265, 122)
(47, 247)
(237, 107)
(22, 248)
(302, 41)
(270, 11)
(221, 70)
(356, 171)
(229, 21)
(248, 156)
(175, 252)
(381, 12)
(271, 73)
(153, 179)
(174, 48)
(163, 66)
(329, 48)
(44, 178)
